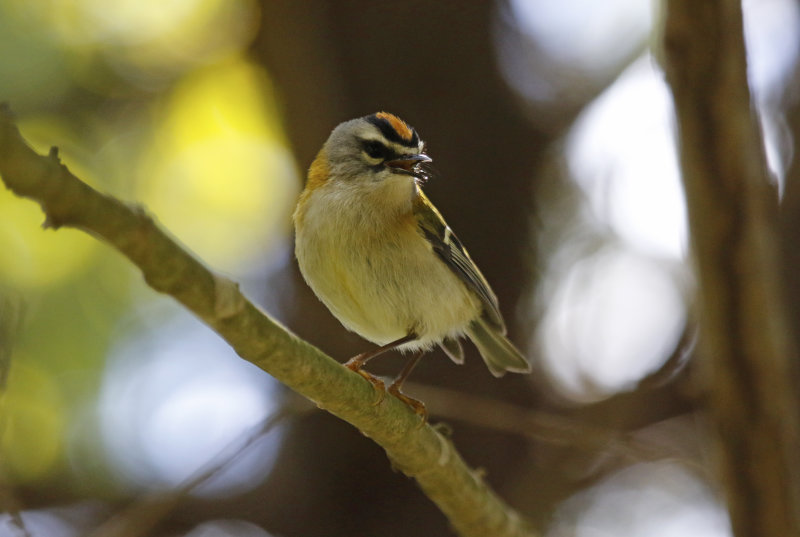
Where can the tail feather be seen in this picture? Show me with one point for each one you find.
(497, 351)
(453, 349)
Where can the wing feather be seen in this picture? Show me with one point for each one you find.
(455, 256)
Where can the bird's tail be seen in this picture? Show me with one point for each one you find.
(497, 351)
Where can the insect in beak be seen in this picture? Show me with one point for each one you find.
(409, 164)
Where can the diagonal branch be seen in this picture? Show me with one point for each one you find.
(420, 452)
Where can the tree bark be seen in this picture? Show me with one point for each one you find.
(748, 363)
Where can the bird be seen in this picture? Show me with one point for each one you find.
(382, 259)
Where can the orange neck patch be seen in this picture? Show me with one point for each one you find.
(318, 173)
(397, 124)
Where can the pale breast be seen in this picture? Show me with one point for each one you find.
(381, 279)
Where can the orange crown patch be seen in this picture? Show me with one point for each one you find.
(398, 124)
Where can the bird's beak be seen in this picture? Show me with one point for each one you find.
(408, 163)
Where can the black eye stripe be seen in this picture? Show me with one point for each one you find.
(377, 150)
(374, 148)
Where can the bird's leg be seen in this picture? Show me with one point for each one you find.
(394, 388)
(356, 363)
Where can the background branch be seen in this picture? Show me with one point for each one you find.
(420, 452)
(141, 516)
(748, 357)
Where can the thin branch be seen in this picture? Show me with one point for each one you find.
(536, 425)
(11, 308)
(420, 452)
(748, 360)
(139, 518)
(11, 314)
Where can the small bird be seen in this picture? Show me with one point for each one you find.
(380, 256)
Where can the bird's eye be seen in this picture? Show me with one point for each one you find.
(375, 149)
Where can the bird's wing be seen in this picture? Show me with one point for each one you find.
(455, 256)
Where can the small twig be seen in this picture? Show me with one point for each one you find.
(10, 323)
(10, 504)
(139, 518)
(677, 361)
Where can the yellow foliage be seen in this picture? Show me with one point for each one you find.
(33, 256)
(147, 34)
(217, 173)
(31, 430)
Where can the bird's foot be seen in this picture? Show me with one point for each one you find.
(416, 405)
(354, 364)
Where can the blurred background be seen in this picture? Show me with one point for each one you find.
(551, 128)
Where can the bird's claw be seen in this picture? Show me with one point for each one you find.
(355, 366)
(416, 405)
